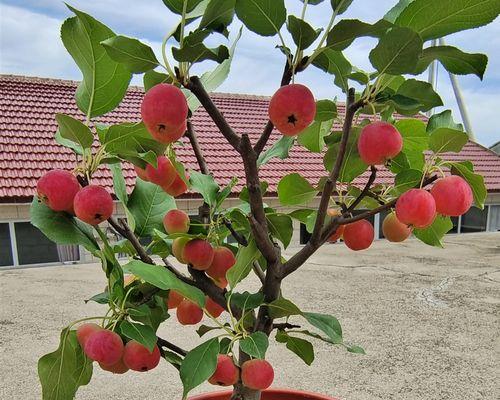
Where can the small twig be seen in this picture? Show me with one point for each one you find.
(242, 240)
(258, 271)
(135, 242)
(285, 325)
(165, 343)
(191, 135)
(365, 190)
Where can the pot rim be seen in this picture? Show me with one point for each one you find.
(316, 396)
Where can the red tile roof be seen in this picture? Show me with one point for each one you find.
(28, 149)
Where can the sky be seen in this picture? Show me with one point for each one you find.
(30, 45)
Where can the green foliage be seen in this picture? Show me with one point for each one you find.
(255, 345)
(283, 308)
(279, 149)
(246, 300)
(143, 334)
(199, 365)
(73, 130)
(294, 190)
(313, 137)
(206, 186)
(302, 33)
(244, 259)
(152, 78)
(176, 6)
(63, 371)
(414, 96)
(303, 348)
(443, 120)
(346, 31)
(135, 55)
(443, 140)
(264, 17)
(61, 227)
(166, 280)
(218, 15)
(327, 324)
(281, 227)
(105, 81)
(334, 62)
(407, 179)
(148, 203)
(433, 235)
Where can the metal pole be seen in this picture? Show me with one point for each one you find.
(460, 102)
(432, 76)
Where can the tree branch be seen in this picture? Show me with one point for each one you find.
(242, 240)
(191, 135)
(168, 345)
(365, 190)
(196, 87)
(285, 325)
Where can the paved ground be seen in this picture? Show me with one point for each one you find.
(428, 319)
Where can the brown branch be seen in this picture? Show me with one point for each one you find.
(258, 271)
(196, 87)
(285, 325)
(169, 345)
(365, 190)
(285, 80)
(191, 135)
(242, 240)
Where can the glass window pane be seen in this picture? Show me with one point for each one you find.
(33, 247)
(6, 258)
(494, 218)
(474, 220)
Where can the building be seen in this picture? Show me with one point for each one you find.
(28, 149)
(496, 147)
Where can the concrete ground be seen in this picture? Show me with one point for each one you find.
(427, 318)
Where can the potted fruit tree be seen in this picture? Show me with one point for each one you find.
(189, 269)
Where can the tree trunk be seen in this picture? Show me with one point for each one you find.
(240, 392)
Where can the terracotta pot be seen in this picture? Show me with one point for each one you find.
(270, 394)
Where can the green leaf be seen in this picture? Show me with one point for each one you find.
(62, 372)
(255, 345)
(346, 31)
(334, 62)
(356, 349)
(340, 6)
(164, 279)
(443, 120)
(397, 52)
(105, 81)
(433, 19)
(303, 348)
(443, 140)
(421, 92)
(301, 214)
(264, 17)
(198, 52)
(327, 324)
(75, 131)
(326, 110)
(142, 334)
(199, 365)
(415, 142)
(153, 78)
(205, 185)
(246, 300)
(395, 11)
(60, 227)
(407, 179)
(353, 165)
(68, 143)
(176, 6)
(283, 308)
(244, 259)
(135, 55)
(213, 79)
(120, 187)
(281, 227)
(279, 149)
(453, 60)
(294, 190)
(244, 195)
(148, 204)
(100, 298)
(434, 234)
(218, 15)
(312, 138)
(302, 33)
(475, 181)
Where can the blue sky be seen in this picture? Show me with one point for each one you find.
(30, 45)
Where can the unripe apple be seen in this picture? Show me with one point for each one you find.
(199, 253)
(257, 374)
(292, 109)
(93, 204)
(213, 308)
(57, 189)
(358, 235)
(222, 262)
(164, 110)
(178, 248)
(174, 299)
(177, 187)
(453, 196)
(226, 373)
(379, 142)
(416, 208)
(104, 346)
(84, 331)
(176, 221)
(141, 173)
(394, 230)
(116, 368)
(139, 358)
(164, 174)
(189, 313)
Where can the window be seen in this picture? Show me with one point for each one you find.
(33, 247)
(494, 218)
(474, 220)
(6, 258)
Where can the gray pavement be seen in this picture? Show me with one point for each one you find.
(428, 319)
